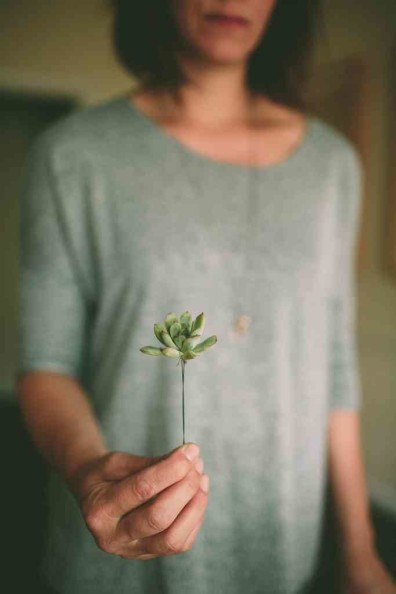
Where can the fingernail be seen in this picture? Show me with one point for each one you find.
(191, 451)
(199, 465)
(204, 483)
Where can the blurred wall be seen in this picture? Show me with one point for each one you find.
(64, 47)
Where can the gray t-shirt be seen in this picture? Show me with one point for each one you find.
(122, 223)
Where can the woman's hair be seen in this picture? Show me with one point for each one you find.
(146, 39)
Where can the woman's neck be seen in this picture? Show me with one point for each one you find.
(214, 98)
(273, 131)
(215, 108)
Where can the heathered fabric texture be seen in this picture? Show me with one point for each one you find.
(121, 224)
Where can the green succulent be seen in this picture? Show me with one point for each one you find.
(180, 336)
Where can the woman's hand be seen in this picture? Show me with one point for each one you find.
(140, 508)
(369, 576)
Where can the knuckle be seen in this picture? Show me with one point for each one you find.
(188, 546)
(95, 521)
(114, 456)
(171, 546)
(157, 519)
(113, 459)
(189, 543)
(130, 552)
(111, 548)
(142, 488)
(182, 466)
(130, 528)
(104, 544)
(202, 500)
(192, 480)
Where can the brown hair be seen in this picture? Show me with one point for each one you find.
(146, 39)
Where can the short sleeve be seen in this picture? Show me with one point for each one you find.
(345, 381)
(52, 305)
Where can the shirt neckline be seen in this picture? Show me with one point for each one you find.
(167, 139)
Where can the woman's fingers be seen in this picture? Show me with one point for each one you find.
(177, 538)
(132, 499)
(191, 538)
(145, 484)
(159, 514)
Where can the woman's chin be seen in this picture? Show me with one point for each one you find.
(221, 54)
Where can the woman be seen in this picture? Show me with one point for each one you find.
(138, 207)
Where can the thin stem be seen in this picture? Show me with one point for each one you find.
(183, 364)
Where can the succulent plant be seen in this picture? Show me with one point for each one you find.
(180, 336)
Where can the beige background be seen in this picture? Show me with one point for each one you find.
(64, 47)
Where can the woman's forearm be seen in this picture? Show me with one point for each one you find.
(346, 474)
(60, 420)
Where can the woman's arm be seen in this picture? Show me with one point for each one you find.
(60, 420)
(346, 474)
(362, 571)
(136, 507)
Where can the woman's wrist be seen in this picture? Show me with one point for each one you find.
(79, 457)
(357, 553)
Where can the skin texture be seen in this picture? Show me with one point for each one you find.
(362, 570)
(138, 507)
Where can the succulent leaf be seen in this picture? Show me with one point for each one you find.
(170, 319)
(175, 330)
(205, 345)
(186, 322)
(179, 337)
(189, 343)
(167, 341)
(169, 352)
(185, 331)
(149, 350)
(198, 325)
(189, 355)
(179, 340)
(158, 330)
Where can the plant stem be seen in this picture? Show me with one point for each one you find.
(182, 365)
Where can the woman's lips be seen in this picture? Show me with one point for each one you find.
(226, 21)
